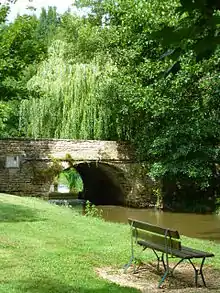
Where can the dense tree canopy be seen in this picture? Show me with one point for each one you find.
(142, 71)
(71, 99)
(23, 44)
(172, 110)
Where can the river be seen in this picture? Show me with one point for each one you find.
(192, 225)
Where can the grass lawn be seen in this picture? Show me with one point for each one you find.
(51, 249)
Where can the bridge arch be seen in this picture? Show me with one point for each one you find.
(104, 184)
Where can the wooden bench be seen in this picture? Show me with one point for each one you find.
(168, 243)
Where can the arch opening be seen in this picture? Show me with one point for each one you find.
(103, 183)
(69, 181)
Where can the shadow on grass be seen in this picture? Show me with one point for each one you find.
(17, 213)
(56, 286)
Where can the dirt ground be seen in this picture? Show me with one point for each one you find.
(147, 278)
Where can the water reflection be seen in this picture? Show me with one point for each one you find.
(192, 225)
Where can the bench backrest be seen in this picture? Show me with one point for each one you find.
(166, 238)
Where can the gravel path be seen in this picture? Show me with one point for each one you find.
(147, 277)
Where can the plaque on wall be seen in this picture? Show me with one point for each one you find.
(12, 161)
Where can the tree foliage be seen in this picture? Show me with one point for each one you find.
(142, 71)
(197, 31)
(71, 99)
(23, 44)
(165, 92)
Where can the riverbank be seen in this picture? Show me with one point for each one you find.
(50, 249)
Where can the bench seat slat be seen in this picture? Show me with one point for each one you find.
(185, 252)
(196, 252)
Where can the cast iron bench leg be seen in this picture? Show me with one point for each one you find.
(126, 266)
(160, 259)
(179, 262)
(199, 272)
(167, 269)
(163, 278)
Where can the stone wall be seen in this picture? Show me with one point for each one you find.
(22, 159)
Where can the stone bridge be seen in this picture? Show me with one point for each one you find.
(108, 169)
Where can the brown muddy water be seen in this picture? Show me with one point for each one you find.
(192, 225)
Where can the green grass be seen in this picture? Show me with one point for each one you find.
(51, 249)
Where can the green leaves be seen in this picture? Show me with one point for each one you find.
(23, 44)
(165, 89)
(145, 71)
(71, 103)
(196, 29)
(4, 10)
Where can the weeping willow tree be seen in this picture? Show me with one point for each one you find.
(71, 179)
(70, 101)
